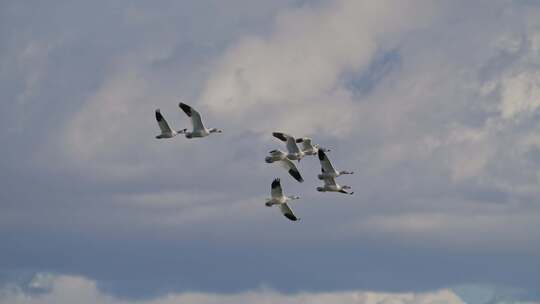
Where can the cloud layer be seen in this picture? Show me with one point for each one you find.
(433, 105)
(45, 289)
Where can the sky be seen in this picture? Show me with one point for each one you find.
(434, 105)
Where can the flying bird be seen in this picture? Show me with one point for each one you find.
(281, 158)
(293, 152)
(166, 131)
(281, 200)
(328, 170)
(198, 128)
(308, 148)
(330, 185)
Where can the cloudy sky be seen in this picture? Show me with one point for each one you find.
(434, 104)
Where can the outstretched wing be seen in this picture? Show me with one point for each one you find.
(291, 168)
(290, 141)
(325, 162)
(163, 125)
(276, 191)
(277, 153)
(286, 210)
(196, 120)
(281, 136)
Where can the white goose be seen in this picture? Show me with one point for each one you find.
(281, 157)
(308, 148)
(281, 200)
(327, 169)
(330, 185)
(166, 131)
(293, 152)
(198, 128)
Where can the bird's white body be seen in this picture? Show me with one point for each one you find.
(276, 201)
(330, 185)
(281, 200)
(327, 170)
(333, 174)
(198, 133)
(198, 128)
(287, 164)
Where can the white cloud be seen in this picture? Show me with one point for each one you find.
(291, 79)
(520, 94)
(105, 135)
(62, 289)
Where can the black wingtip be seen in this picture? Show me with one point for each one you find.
(275, 183)
(159, 117)
(321, 154)
(291, 217)
(185, 108)
(299, 140)
(279, 136)
(296, 175)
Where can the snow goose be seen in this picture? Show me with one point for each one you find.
(166, 131)
(327, 168)
(330, 185)
(293, 152)
(281, 200)
(308, 148)
(198, 128)
(281, 157)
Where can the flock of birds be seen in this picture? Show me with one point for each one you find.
(285, 159)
